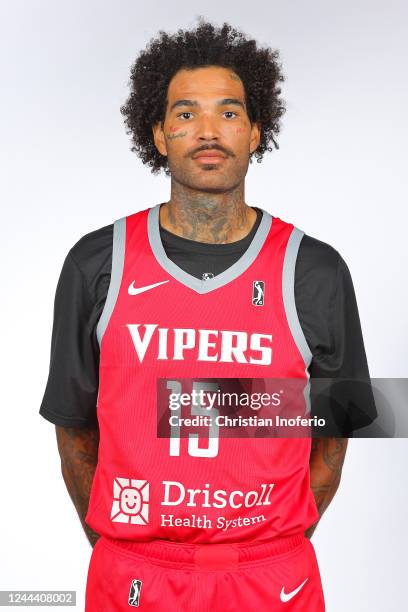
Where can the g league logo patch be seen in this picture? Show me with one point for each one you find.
(258, 292)
(134, 595)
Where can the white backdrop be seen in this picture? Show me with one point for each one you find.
(68, 170)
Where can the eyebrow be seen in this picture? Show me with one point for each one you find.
(223, 102)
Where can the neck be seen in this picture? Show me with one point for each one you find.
(216, 218)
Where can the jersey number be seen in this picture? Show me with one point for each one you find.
(211, 450)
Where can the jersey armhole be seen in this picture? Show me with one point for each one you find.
(118, 259)
(288, 291)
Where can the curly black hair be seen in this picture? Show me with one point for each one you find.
(206, 45)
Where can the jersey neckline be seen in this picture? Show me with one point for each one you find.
(209, 248)
(225, 277)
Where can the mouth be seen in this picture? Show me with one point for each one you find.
(210, 158)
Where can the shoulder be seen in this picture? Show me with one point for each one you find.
(92, 246)
(92, 256)
(318, 260)
(321, 269)
(322, 278)
(324, 294)
(315, 258)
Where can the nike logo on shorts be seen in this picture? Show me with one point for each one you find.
(288, 596)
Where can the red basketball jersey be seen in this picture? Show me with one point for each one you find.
(159, 322)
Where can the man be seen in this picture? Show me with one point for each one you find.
(173, 298)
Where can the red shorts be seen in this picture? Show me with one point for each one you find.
(281, 575)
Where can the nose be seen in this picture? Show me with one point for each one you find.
(207, 129)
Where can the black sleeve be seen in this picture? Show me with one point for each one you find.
(328, 312)
(72, 386)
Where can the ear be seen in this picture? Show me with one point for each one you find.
(159, 139)
(255, 137)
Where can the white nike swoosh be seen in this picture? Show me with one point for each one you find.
(132, 290)
(287, 596)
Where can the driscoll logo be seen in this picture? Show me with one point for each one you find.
(131, 498)
(176, 494)
(130, 501)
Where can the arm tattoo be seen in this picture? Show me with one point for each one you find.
(78, 449)
(326, 463)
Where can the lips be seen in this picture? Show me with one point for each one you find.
(210, 156)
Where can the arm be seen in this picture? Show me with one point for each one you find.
(326, 463)
(78, 449)
(334, 335)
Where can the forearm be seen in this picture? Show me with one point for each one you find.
(78, 449)
(326, 463)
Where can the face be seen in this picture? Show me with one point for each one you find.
(130, 501)
(206, 113)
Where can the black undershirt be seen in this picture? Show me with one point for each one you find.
(198, 258)
(324, 295)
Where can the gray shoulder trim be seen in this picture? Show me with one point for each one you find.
(118, 259)
(288, 290)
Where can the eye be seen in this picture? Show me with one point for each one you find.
(185, 113)
(230, 113)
